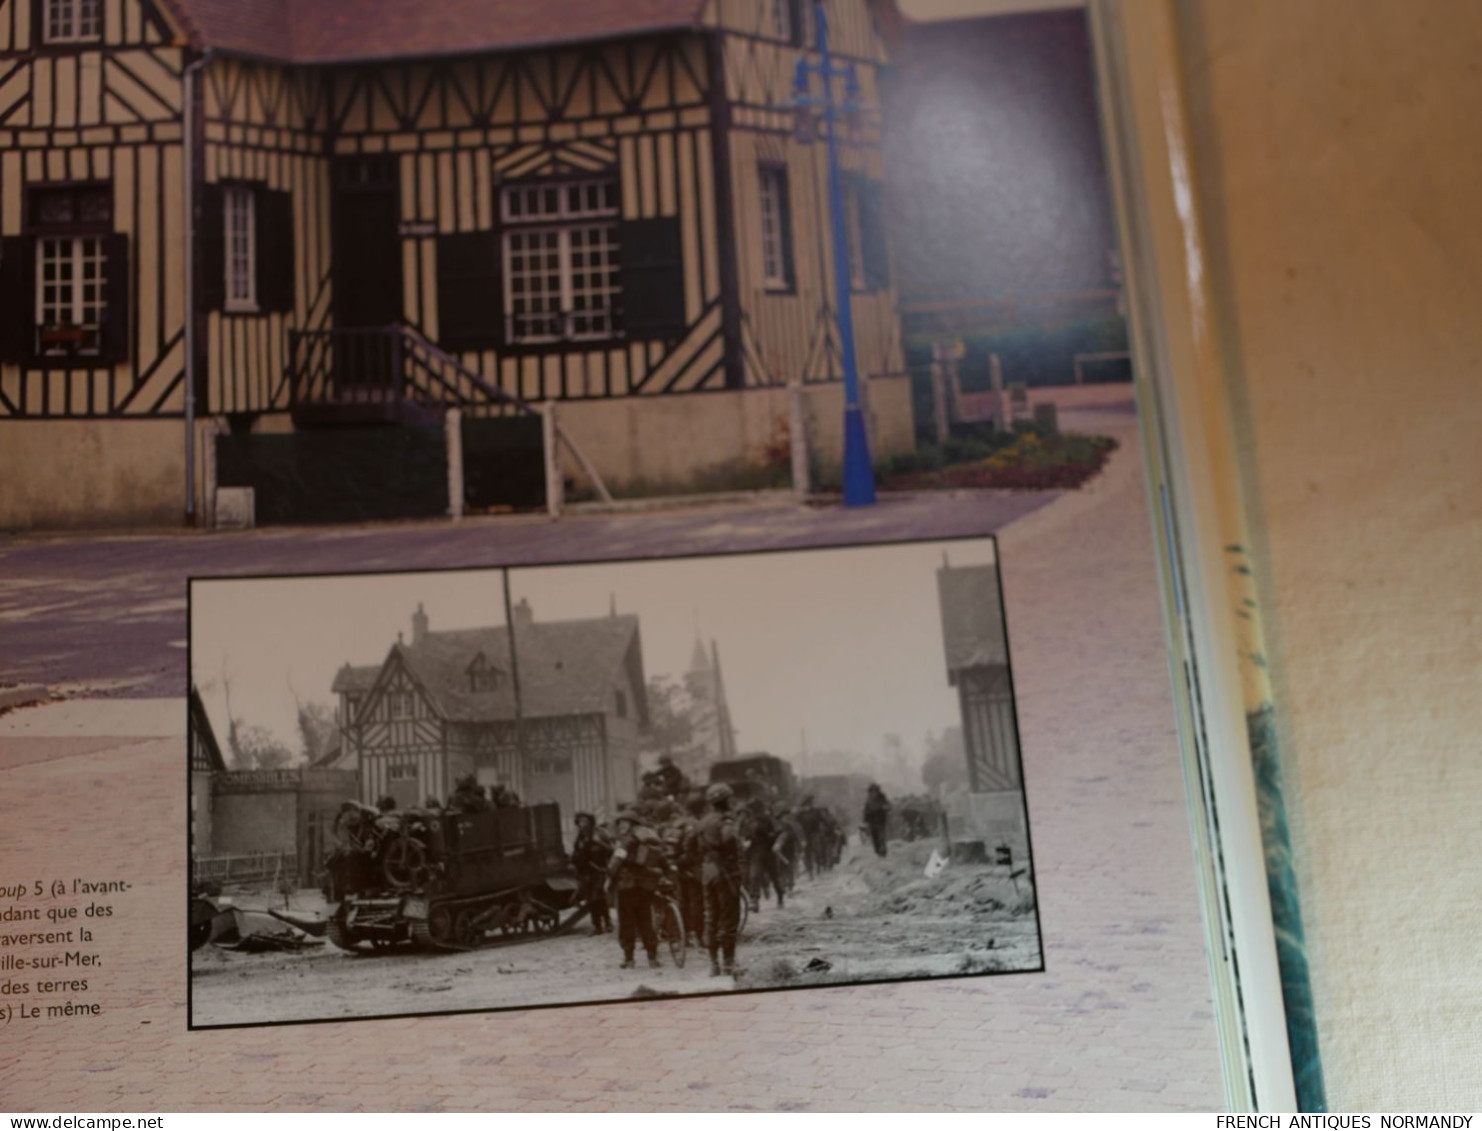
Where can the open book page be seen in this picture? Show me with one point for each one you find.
(780, 719)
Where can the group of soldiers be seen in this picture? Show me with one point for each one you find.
(707, 850)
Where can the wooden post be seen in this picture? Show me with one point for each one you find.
(554, 485)
(453, 433)
(797, 436)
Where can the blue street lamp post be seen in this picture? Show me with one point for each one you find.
(859, 474)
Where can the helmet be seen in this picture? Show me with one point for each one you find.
(665, 760)
(718, 794)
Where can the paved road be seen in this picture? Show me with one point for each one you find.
(105, 615)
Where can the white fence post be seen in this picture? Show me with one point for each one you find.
(1005, 421)
(797, 436)
(453, 433)
(206, 505)
(555, 486)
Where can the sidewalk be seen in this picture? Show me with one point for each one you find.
(1119, 1020)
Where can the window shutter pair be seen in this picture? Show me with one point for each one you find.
(470, 302)
(273, 212)
(18, 303)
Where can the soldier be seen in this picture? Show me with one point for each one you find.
(720, 871)
(505, 798)
(787, 846)
(668, 778)
(468, 797)
(589, 857)
(636, 867)
(762, 867)
(691, 887)
(876, 814)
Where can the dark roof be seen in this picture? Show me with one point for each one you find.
(355, 679)
(335, 31)
(972, 619)
(566, 668)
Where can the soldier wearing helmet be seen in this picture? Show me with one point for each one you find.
(635, 869)
(720, 874)
(668, 778)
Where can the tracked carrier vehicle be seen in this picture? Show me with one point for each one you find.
(450, 880)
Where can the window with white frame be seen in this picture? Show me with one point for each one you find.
(71, 274)
(776, 229)
(240, 213)
(561, 260)
(72, 21)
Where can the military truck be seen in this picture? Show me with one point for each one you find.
(443, 879)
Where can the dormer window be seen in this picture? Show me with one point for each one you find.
(484, 676)
(72, 21)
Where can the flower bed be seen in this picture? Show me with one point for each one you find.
(1025, 461)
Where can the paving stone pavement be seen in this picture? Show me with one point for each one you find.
(1119, 1020)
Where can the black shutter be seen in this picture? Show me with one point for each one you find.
(17, 298)
(274, 213)
(114, 347)
(652, 279)
(872, 234)
(211, 237)
(470, 308)
(798, 15)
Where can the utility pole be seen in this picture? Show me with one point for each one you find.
(859, 472)
(514, 675)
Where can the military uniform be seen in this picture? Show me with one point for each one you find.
(720, 872)
(589, 857)
(636, 868)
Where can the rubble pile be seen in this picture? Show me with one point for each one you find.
(898, 885)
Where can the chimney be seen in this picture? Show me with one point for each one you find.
(419, 625)
(524, 616)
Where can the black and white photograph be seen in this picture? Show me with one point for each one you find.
(501, 788)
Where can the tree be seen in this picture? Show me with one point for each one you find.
(946, 760)
(670, 728)
(317, 729)
(255, 748)
(252, 747)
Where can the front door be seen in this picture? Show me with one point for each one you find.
(366, 271)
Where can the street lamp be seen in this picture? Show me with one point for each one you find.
(859, 474)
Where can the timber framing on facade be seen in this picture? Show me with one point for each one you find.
(556, 715)
(613, 208)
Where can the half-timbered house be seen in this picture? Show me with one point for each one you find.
(555, 714)
(271, 216)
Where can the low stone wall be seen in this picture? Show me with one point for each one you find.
(91, 473)
(59, 474)
(726, 440)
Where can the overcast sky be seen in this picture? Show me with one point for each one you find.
(846, 644)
